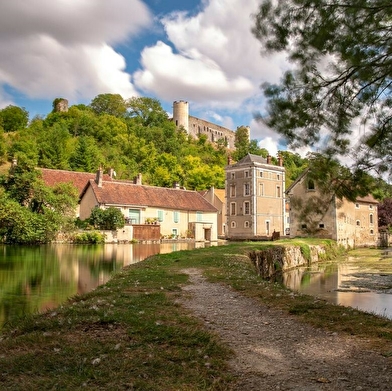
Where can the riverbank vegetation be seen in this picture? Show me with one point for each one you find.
(131, 333)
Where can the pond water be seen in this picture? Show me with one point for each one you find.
(34, 279)
(350, 282)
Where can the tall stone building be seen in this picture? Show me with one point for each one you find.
(255, 203)
(351, 224)
(195, 126)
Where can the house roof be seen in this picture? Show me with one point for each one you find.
(220, 193)
(366, 199)
(250, 158)
(126, 193)
(79, 179)
(369, 199)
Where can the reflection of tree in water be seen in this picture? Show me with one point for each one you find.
(31, 279)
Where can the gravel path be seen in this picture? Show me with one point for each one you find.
(273, 351)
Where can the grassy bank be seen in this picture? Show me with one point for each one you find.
(131, 334)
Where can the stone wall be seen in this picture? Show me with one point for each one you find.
(277, 259)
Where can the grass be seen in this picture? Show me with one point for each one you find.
(131, 334)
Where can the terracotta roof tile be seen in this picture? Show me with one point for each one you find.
(79, 179)
(125, 193)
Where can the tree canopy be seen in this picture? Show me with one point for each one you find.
(340, 87)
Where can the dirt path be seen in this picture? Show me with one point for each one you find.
(273, 351)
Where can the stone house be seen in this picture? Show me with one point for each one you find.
(351, 224)
(177, 212)
(255, 198)
(216, 197)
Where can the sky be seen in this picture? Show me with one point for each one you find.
(199, 51)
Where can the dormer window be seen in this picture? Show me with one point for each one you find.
(311, 184)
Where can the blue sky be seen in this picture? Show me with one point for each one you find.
(201, 51)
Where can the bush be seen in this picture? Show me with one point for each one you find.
(107, 219)
(90, 237)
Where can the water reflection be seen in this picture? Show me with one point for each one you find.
(345, 284)
(37, 278)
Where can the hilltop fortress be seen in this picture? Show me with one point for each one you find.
(195, 126)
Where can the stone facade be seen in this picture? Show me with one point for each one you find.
(195, 126)
(255, 204)
(351, 224)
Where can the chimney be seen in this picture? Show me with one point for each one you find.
(99, 177)
(176, 185)
(138, 179)
(280, 160)
(269, 159)
(112, 173)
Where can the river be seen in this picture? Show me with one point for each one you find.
(38, 278)
(362, 280)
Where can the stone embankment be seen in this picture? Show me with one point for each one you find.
(275, 259)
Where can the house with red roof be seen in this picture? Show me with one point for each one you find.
(177, 212)
(51, 177)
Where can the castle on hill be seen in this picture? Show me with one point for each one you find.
(195, 126)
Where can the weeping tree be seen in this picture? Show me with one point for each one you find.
(341, 76)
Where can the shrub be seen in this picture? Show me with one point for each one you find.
(89, 237)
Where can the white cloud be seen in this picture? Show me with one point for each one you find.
(171, 76)
(215, 61)
(63, 47)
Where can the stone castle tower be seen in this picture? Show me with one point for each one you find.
(181, 114)
(195, 126)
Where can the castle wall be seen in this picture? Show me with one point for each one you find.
(195, 126)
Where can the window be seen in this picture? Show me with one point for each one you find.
(261, 174)
(246, 224)
(160, 216)
(277, 176)
(233, 224)
(261, 189)
(311, 184)
(246, 174)
(175, 232)
(371, 232)
(246, 208)
(303, 226)
(370, 206)
(278, 191)
(246, 189)
(358, 223)
(199, 217)
(233, 208)
(176, 216)
(233, 175)
(371, 219)
(321, 225)
(232, 191)
(357, 206)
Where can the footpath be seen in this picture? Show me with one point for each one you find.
(274, 351)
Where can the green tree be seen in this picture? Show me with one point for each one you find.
(53, 147)
(13, 118)
(241, 143)
(112, 104)
(147, 112)
(86, 156)
(342, 74)
(31, 212)
(107, 219)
